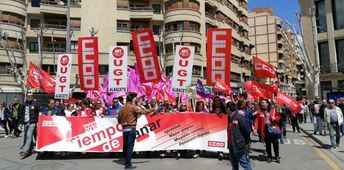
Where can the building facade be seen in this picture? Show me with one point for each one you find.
(275, 45)
(12, 44)
(324, 40)
(173, 22)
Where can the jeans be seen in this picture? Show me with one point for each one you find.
(274, 141)
(295, 124)
(318, 124)
(236, 158)
(30, 129)
(342, 128)
(4, 124)
(128, 145)
(334, 127)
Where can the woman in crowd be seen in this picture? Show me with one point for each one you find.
(266, 123)
(200, 107)
(218, 106)
(70, 111)
(85, 110)
(98, 109)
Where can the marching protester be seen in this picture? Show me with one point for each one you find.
(294, 120)
(266, 123)
(200, 107)
(127, 117)
(304, 110)
(4, 114)
(85, 110)
(333, 118)
(284, 112)
(114, 108)
(70, 111)
(218, 106)
(51, 109)
(315, 109)
(15, 114)
(238, 138)
(323, 106)
(29, 119)
(98, 109)
(341, 106)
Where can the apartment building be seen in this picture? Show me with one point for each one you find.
(326, 49)
(173, 22)
(274, 44)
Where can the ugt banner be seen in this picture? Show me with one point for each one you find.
(219, 45)
(118, 61)
(88, 63)
(146, 57)
(172, 131)
(182, 70)
(64, 68)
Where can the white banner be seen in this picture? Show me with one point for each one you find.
(64, 67)
(118, 61)
(182, 70)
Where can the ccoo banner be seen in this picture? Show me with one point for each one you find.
(118, 61)
(219, 55)
(173, 131)
(88, 63)
(146, 56)
(182, 70)
(64, 68)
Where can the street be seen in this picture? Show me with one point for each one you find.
(298, 152)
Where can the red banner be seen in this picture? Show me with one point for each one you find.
(219, 45)
(283, 98)
(39, 79)
(222, 87)
(88, 63)
(169, 131)
(263, 69)
(146, 56)
(257, 89)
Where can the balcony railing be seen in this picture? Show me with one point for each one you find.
(210, 15)
(142, 9)
(60, 4)
(50, 50)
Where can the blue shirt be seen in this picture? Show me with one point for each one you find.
(114, 111)
(54, 111)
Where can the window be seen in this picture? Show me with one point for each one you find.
(196, 71)
(156, 29)
(35, 3)
(338, 13)
(324, 57)
(35, 23)
(122, 26)
(321, 16)
(33, 46)
(169, 70)
(156, 8)
(103, 69)
(340, 83)
(340, 54)
(326, 85)
(49, 69)
(74, 45)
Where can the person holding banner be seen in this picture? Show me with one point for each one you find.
(51, 109)
(84, 110)
(127, 117)
(200, 107)
(238, 138)
(99, 109)
(218, 106)
(114, 109)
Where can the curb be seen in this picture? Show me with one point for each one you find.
(313, 137)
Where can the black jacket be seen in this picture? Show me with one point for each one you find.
(6, 113)
(33, 113)
(238, 135)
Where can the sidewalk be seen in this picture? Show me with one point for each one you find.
(323, 140)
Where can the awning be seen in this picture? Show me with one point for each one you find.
(8, 89)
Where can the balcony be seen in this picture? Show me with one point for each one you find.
(60, 7)
(184, 36)
(210, 18)
(141, 12)
(182, 14)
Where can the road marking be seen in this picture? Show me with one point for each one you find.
(327, 159)
(287, 141)
(299, 142)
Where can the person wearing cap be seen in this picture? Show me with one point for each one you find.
(238, 138)
(127, 117)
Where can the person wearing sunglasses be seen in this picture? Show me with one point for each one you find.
(333, 118)
(116, 106)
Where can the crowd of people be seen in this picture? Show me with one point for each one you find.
(265, 118)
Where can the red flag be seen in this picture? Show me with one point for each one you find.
(257, 89)
(219, 43)
(283, 98)
(146, 56)
(88, 63)
(222, 87)
(39, 79)
(263, 69)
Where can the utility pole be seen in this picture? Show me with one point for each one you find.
(68, 35)
(39, 32)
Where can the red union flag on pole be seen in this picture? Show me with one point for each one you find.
(146, 57)
(263, 69)
(118, 61)
(88, 63)
(283, 98)
(182, 70)
(222, 87)
(64, 67)
(39, 79)
(219, 45)
(257, 89)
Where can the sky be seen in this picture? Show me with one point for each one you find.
(281, 8)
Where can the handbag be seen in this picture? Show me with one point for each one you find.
(273, 130)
